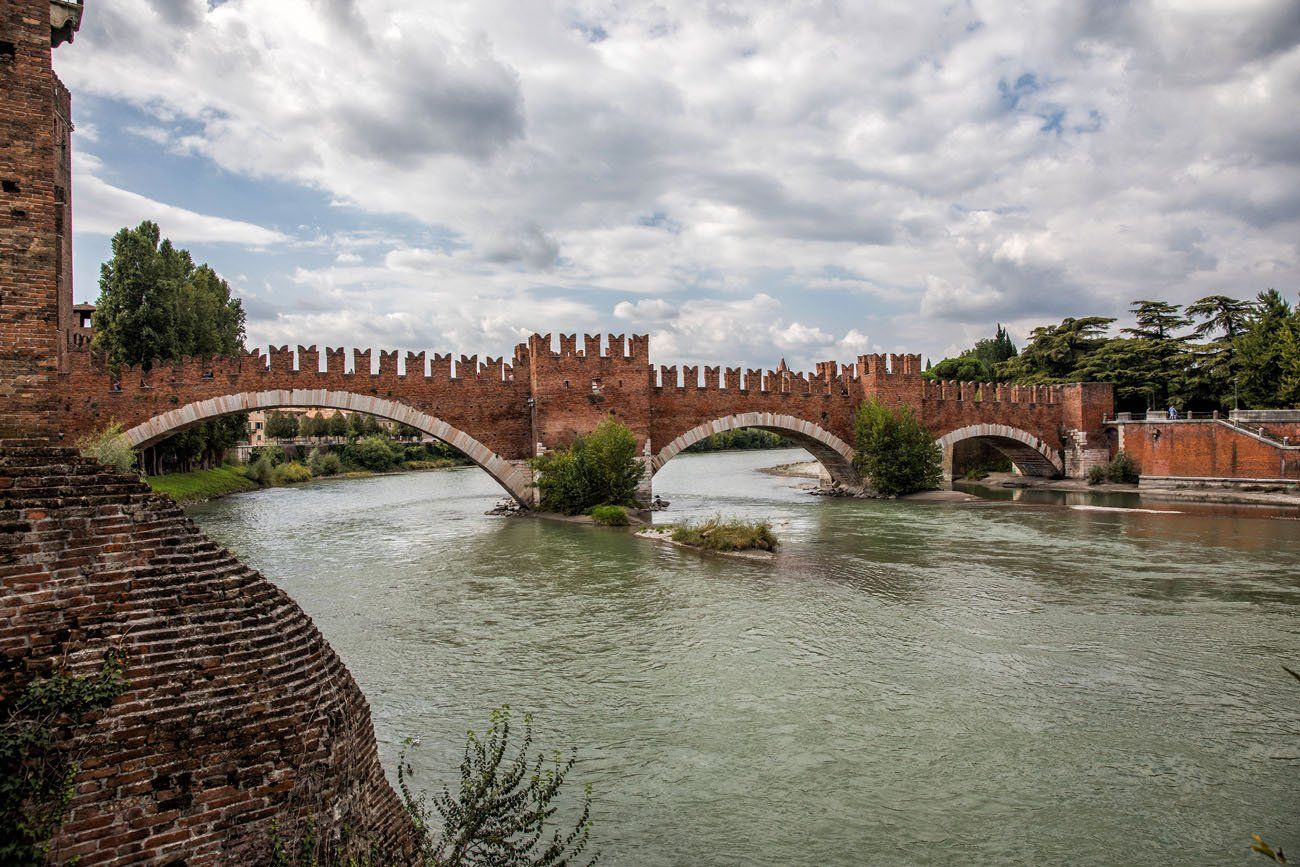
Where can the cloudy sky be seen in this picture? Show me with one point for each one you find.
(743, 180)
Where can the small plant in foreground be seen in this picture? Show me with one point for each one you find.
(502, 811)
(717, 534)
(610, 516)
(109, 447)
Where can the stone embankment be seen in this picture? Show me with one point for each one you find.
(237, 713)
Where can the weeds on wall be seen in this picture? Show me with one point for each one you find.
(109, 448)
(36, 767)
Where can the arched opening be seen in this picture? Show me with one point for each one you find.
(835, 455)
(1029, 454)
(515, 478)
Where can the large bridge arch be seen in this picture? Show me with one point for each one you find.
(832, 452)
(516, 480)
(1028, 453)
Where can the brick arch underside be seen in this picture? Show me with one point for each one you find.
(832, 452)
(507, 475)
(1028, 453)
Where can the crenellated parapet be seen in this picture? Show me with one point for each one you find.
(555, 388)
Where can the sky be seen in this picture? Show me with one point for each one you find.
(744, 181)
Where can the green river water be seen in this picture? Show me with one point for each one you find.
(907, 683)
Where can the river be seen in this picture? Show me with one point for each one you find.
(907, 683)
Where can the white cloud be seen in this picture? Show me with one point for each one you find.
(936, 166)
(101, 208)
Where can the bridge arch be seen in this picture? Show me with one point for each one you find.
(1028, 453)
(516, 480)
(832, 452)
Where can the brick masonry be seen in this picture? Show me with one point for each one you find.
(503, 412)
(1210, 449)
(237, 711)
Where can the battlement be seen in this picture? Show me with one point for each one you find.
(992, 392)
(879, 364)
(826, 380)
(617, 347)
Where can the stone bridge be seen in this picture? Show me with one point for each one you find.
(502, 412)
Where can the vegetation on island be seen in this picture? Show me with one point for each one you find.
(36, 767)
(1218, 353)
(600, 469)
(155, 305)
(895, 454)
(724, 534)
(610, 516)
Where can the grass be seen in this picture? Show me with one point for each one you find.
(717, 534)
(610, 516)
(435, 464)
(201, 484)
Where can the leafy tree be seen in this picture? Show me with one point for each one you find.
(600, 469)
(338, 424)
(156, 306)
(281, 425)
(372, 453)
(1056, 352)
(1229, 317)
(979, 363)
(895, 451)
(1261, 367)
(1156, 320)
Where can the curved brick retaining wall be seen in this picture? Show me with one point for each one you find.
(237, 711)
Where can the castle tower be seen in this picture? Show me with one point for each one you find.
(35, 194)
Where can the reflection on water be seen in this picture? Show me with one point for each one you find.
(908, 683)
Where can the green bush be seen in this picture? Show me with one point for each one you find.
(372, 453)
(272, 454)
(324, 463)
(290, 474)
(717, 534)
(1123, 470)
(110, 448)
(260, 470)
(894, 450)
(1096, 474)
(610, 516)
(598, 469)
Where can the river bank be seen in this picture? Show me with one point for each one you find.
(201, 486)
(1226, 496)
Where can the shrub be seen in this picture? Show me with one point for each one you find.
(372, 453)
(717, 534)
(610, 516)
(502, 811)
(260, 470)
(1096, 474)
(324, 463)
(598, 469)
(273, 454)
(110, 448)
(895, 451)
(1123, 469)
(290, 474)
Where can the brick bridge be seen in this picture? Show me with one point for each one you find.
(502, 412)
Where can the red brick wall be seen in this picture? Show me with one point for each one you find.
(1205, 449)
(29, 245)
(237, 711)
(575, 388)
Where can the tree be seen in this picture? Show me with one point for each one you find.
(281, 425)
(1056, 352)
(1259, 353)
(155, 306)
(338, 424)
(1156, 320)
(979, 363)
(894, 450)
(600, 469)
(1219, 313)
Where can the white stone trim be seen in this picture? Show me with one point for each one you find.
(515, 480)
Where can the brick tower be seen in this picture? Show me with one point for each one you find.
(35, 236)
